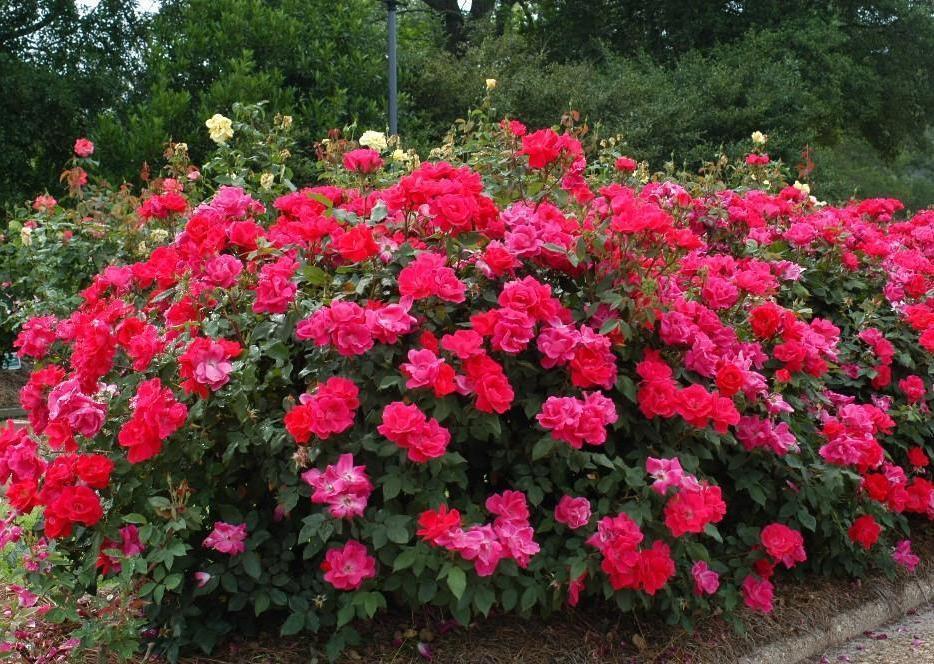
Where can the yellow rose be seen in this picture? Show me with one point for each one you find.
(375, 140)
(490, 84)
(759, 138)
(221, 128)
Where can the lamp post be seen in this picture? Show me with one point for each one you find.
(391, 48)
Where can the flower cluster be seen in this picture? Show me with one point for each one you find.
(509, 536)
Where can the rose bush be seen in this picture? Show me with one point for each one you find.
(508, 381)
(51, 248)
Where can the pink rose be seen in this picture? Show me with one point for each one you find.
(227, 538)
(573, 512)
(757, 593)
(348, 567)
(223, 270)
(706, 581)
(84, 147)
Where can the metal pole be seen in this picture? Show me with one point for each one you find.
(393, 101)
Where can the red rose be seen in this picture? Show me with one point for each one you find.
(765, 320)
(730, 379)
(357, 244)
(298, 423)
(94, 469)
(917, 457)
(79, 504)
(626, 164)
(865, 531)
(877, 486)
(695, 405)
(22, 495)
(764, 568)
(542, 147)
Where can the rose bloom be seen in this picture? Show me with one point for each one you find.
(84, 147)
(626, 164)
(865, 531)
(706, 581)
(363, 161)
(784, 544)
(573, 512)
(227, 538)
(757, 593)
(348, 567)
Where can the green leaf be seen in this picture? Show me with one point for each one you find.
(529, 598)
(314, 275)
(251, 564)
(543, 448)
(345, 614)
(261, 602)
(807, 520)
(396, 529)
(457, 581)
(404, 560)
(392, 485)
(294, 624)
(483, 599)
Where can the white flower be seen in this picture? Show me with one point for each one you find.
(759, 138)
(806, 188)
(375, 140)
(266, 180)
(25, 236)
(490, 84)
(221, 128)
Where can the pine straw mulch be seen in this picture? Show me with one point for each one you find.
(10, 384)
(592, 635)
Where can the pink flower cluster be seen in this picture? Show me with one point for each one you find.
(508, 537)
(409, 428)
(627, 566)
(353, 330)
(329, 411)
(344, 487)
(578, 421)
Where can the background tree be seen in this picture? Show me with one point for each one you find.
(59, 67)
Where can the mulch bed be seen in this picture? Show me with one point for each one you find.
(593, 635)
(10, 384)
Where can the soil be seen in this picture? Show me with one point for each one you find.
(10, 384)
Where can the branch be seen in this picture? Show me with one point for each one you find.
(29, 29)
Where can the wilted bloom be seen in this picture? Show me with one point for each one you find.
(902, 555)
(220, 128)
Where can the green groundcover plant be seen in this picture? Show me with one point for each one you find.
(507, 379)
